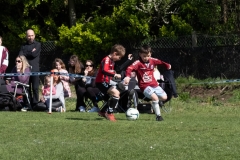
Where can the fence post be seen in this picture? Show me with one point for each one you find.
(194, 39)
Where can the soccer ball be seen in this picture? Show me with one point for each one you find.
(132, 114)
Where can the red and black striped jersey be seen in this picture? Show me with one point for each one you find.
(106, 70)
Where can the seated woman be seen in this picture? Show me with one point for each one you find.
(89, 85)
(59, 96)
(76, 67)
(22, 66)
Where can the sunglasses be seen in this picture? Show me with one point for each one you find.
(88, 65)
(18, 61)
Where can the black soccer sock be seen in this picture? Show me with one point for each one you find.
(112, 103)
(104, 108)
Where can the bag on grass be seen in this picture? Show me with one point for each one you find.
(144, 107)
(40, 106)
(8, 100)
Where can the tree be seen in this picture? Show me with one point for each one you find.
(72, 13)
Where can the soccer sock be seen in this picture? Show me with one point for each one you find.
(112, 103)
(135, 100)
(104, 108)
(156, 108)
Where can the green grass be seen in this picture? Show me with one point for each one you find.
(190, 131)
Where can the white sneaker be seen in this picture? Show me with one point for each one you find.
(82, 109)
(59, 109)
(24, 109)
(94, 109)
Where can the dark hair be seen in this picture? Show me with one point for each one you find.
(92, 72)
(145, 49)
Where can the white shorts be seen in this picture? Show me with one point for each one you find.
(157, 90)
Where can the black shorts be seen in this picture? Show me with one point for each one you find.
(103, 87)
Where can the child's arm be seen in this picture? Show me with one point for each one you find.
(43, 91)
(125, 64)
(106, 68)
(131, 68)
(59, 91)
(159, 62)
(64, 77)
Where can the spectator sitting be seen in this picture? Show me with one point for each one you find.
(76, 67)
(46, 86)
(22, 66)
(60, 66)
(57, 84)
(88, 85)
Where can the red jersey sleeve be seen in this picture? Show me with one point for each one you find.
(131, 68)
(159, 62)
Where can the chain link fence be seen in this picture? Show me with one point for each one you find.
(201, 56)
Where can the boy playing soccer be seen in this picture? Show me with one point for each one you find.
(144, 69)
(105, 73)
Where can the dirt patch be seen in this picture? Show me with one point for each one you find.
(220, 93)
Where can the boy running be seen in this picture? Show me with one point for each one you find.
(105, 73)
(144, 69)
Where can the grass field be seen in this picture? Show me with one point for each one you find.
(191, 130)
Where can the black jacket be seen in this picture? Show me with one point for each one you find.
(33, 57)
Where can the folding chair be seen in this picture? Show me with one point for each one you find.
(22, 95)
(100, 97)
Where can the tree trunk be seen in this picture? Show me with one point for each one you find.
(238, 14)
(224, 11)
(72, 13)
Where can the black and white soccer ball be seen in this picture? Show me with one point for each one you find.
(132, 114)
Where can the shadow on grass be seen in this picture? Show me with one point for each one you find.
(85, 119)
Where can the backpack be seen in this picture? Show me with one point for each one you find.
(8, 100)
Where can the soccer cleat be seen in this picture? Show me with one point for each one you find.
(101, 114)
(110, 117)
(159, 118)
(94, 109)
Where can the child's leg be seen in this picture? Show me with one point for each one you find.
(113, 101)
(104, 87)
(155, 94)
(155, 104)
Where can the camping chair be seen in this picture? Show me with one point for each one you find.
(23, 97)
(101, 99)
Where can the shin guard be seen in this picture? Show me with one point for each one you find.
(156, 108)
